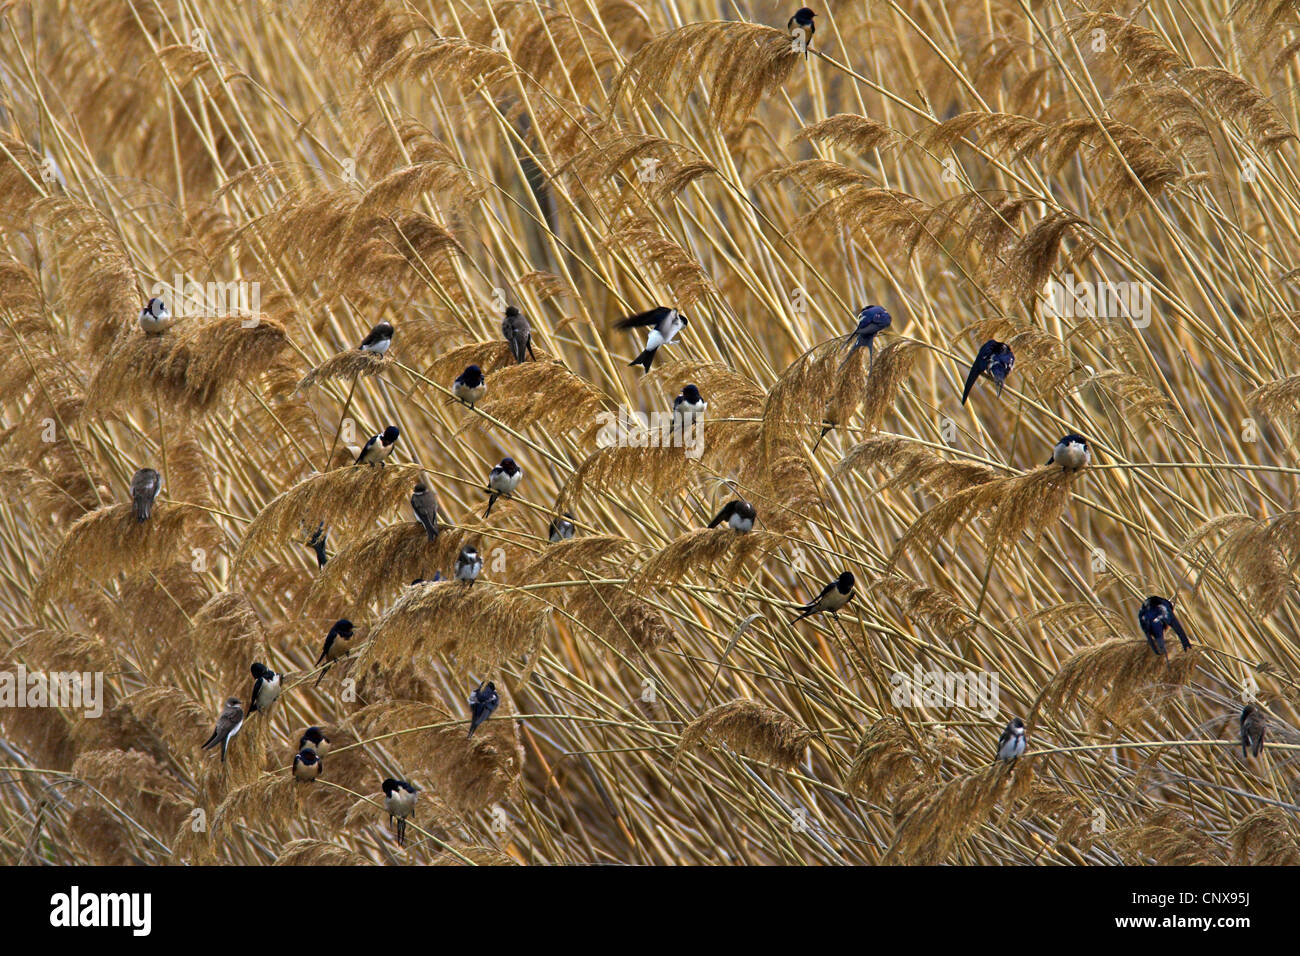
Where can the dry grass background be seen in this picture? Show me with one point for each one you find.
(402, 160)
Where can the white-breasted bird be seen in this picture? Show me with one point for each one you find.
(154, 317)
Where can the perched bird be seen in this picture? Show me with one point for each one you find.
(468, 564)
(317, 543)
(1012, 742)
(739, 516)
(871, 320)
(562, 528)
(518, 334)
(307, 765)
(1155, 616)
(688, 407)
(802, 29)
(399, 801)
(380, 337)
(228, 724)
(1071, 453)
(832, 597)
(154, 317)
(145, 485)
(425, 505)
(503, 479)
(470, 386)
(337, 643)
(994, 359)
(379, 447)
(664, 324)
(266, 688)
(482, 703)
(1252, 731)
(313, 738)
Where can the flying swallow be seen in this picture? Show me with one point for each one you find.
(801, 28)
(994, 359)
(688, 406)
(502, 480)
(154, 317)
(739, 516)
(399, 801)
(470, 386)
(468, 564)
(832, 597)
(380, 337)
(228, 724)
(266, 688)
(871, 320)
(337, 643)
(518, 334)
(562, 528)
(379, 447)
(145, 485)
(313, 738)
(1071, 453)
(425, 505)
(1252, 731)
(307, 765)
(1155, 615)
(1012, 742)
(664, 324)
(483, 701)
(317, 543)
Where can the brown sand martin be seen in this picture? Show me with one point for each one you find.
(425, 505)
(228, 724)
(1252, 731)
(518, 334)
(145, 485)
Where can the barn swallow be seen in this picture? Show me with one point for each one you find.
(871, 320)
(337, 643)
(380, 337)
(470, 386)
(562, 528)
(1155, 615)
(307, 765)
(739, 516)
(313, 738)
(379, 447)
(1071, 453)
(317, 542)
(664, 324)
(228, 724)
(483, 701)
(801, 28)
(518, 334)
(266, 688)
(1252, 731)
(1012, 742)
(994, 359)
(145, 485)
(688, 406)
(468, 564)
(425, 505)
(502, 480)
(154, 317)
(399, 801)
(832, 597)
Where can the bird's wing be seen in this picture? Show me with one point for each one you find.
(651, 317)
(724, 515)
(980, 365)
(1178, 629)
(329, 642)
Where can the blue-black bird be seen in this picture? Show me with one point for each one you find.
(994, 359)
(307, 765)
(1252, 731)
(468, 564)
(1013, 741)
(317, 542)
(379, 447)
(266, 688)
(399, 801)
(483, 701)
(801, 28)
(562, 528)
(664, 324)
(688, 407)
(1156, 616)
(871, 320)
(832, 597)
(154, 317)
(503, 479)
(738, 514)
(469, 386)
(313, 738)
(518, 334)
(337, 643)
(1072, 453)
(378, 340)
